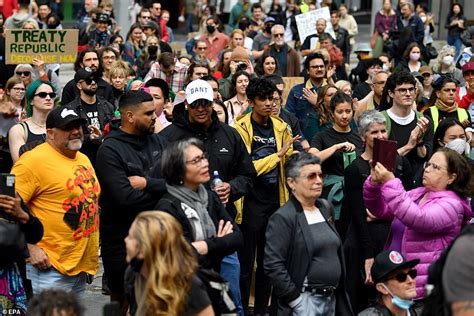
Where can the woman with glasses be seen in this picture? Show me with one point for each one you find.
(40, 100)
(204, 219)
(424, 220)
(303, 251)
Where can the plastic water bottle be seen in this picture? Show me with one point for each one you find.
(216, 181)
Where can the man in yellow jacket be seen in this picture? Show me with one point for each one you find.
(269, 142)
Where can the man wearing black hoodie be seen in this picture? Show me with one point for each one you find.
(128, 168)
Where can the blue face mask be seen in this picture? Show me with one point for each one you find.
(399, 302)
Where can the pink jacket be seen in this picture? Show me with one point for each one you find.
(429, 226)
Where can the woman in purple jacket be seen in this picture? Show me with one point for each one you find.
(425, 219)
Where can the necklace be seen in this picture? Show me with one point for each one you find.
(39, 125)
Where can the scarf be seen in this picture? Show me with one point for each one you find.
(194, 205)
(444, 107)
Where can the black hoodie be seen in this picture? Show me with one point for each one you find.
(122, 155)
(226, 150)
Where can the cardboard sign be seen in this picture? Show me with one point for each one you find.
(290, 82)
(306, 22)
(52, 46)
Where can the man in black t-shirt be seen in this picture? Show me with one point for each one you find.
(412, 131)
(92, 107)
(269, 142)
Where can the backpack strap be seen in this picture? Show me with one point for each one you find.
(328, 210)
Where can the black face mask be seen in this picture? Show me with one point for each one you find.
(136, 264)
(153, 50)
(210, 28)
(121, 47)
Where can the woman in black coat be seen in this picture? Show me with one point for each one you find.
(206, 224)
(303, 252)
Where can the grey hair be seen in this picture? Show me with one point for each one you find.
(410, 5)
(274, 27)
(24, 66)
(368, 118)
(297, 161)
(173, 160)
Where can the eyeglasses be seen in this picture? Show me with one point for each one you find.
(202, 48)
(109, 57)
(200, 103)
(89, 81)
(146, 17)
(380, 82)
(198, 160)
(19, 89)
(433, 166)
(43, 95)
(313, 176)
(23, 73)
(278, 35)
(317, 67)
(426, 75)
(405, 90)
(402, 277)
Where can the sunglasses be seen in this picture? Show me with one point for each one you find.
(23, 73)
(198, 103)
(43, 95)
(89, 80)
(402, 277)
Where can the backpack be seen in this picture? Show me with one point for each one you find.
(218, 291)
(435, 302)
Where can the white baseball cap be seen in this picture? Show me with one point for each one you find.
(199, 89)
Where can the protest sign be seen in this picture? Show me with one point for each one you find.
(51, 46)
(306, 22)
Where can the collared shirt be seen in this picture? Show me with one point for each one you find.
(175, 81)
(219, 43)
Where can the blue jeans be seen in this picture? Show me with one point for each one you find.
(51, 278)
(189, 22)
(230, 271)
(457, 43)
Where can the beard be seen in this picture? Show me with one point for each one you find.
(145, 129)
(74, 144)
(90, 92)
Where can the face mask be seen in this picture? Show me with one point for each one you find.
(385, 67)
(448, 60)
(415, 56)
(153, 50)
(121, 47)
(210, 28)
(399, 302)
(136, 264)
(423, 18)
(459, 145)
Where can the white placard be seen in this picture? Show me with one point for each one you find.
(306, 22)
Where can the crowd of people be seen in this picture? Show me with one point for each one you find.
(164, 163)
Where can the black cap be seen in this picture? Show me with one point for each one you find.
(62, 116)
(83, 74)
(388, 261)
(102, 17)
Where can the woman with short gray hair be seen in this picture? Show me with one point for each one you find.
(303, 252)
(206, 224)
(366, 235)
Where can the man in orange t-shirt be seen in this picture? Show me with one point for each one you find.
(59, 185)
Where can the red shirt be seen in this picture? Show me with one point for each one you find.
(219, 43)
(8, 7)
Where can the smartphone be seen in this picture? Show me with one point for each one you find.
(385, 152)
(7, 184)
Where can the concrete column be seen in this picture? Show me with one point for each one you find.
(122, 15)
(376, 7)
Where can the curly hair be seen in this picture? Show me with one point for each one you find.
(445, 50)
(170, 261)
